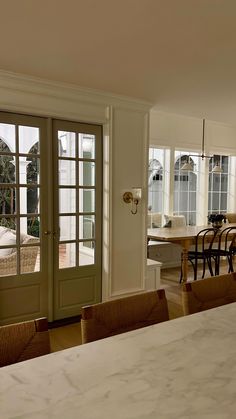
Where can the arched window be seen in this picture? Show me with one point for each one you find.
(218, 185)
(155, 180)
(185, 188)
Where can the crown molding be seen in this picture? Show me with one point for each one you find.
(59, 90)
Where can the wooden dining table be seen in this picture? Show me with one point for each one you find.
(184, 236)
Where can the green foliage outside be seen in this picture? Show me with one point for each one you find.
(8, 194)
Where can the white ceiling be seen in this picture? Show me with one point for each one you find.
(178, 54)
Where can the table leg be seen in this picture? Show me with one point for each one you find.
(185, 249)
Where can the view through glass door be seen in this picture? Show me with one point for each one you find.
(23, 248)
(29, 201)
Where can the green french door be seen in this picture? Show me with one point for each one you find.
(50, 217)
(77, 216)
(23, 209)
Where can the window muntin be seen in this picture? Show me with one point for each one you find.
(218, 185)
(185, 187)
(155, 180)
(19, 199)
(77, 191)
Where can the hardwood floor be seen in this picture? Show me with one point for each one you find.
(64, 337)
(67, 336)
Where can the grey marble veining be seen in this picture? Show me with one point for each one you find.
(182, 369)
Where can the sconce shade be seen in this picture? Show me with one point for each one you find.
(137, 193)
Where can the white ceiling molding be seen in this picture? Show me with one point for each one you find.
(73, 93)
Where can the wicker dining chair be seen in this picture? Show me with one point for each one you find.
(22, 341)
(123, 314)
(208, 293)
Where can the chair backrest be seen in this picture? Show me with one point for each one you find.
(227, 238)
(231, 217)
(208, 293)
(123, 314)
(22, 341)
(205, 239)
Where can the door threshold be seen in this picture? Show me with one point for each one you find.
(64, 322)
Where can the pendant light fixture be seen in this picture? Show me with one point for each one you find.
(217, 169)
(187, 166)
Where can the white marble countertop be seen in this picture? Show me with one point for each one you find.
(183, 368)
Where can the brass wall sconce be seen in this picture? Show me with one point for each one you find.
(133, 198)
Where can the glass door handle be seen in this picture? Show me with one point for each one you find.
(46, 233)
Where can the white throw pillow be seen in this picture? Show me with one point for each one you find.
(176, 220)
(2, 230)
(7, 239)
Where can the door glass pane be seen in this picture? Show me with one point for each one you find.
(7, 238)
(67, 227)
(86, 226)
(8, 258)
(87, 146)
(7, 169)
(7, 200)
(67, 200)
(86, 200)
(66, 144)
(67, 255)
(29, 200)
(27, 137)
(7, 222)
(32, 170)
(33, 226)
(67, 174)
(7, 138)
(87, 173)
(29, 230)
(29, 259)
(8, 264)
(86, 253)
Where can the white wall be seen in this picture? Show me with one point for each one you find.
(179, 131)
(128, 231)
(125, 123)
